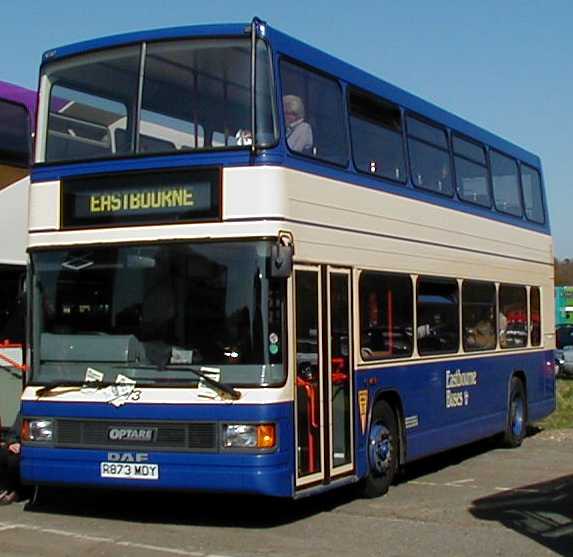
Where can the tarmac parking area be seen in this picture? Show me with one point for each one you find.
(478, 500)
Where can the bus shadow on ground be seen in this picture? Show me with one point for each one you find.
(452, 457)
(542, 512)
(191, 509)
(227, 510)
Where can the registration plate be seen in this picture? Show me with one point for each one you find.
(129, 470)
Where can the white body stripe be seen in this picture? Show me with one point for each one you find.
(163, 395)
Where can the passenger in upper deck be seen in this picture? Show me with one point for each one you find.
(298, 132)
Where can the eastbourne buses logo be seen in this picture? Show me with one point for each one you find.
(132, 434)
(455, 382)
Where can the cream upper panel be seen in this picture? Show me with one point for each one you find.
(278, 191)
(365, 251)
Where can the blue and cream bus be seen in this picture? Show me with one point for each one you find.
(256, 268)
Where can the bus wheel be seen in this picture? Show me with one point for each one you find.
(516, 426)
(382, 450)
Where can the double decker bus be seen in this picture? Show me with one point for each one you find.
(17, 113)
(258, 269)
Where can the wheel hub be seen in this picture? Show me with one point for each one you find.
(517, 417)
(380, 449)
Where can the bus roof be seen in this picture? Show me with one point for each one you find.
(314, 57)
(21, 95)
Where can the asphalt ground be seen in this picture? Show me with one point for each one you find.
(477, 500)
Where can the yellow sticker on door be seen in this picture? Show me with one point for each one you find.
(363, 407)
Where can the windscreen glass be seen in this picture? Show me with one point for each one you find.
(151, 313)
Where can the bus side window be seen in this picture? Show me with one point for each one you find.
(506, 192)
(429, 157)
(438, 315)
(532, 194)
(513, 326)
(535, 315)
(478, 316)
(313, 107)
(376, 131)
(386, 316)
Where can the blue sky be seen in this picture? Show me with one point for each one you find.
(506, 65)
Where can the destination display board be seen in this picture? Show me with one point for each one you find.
(192, 195)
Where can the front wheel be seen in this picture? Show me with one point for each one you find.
(516, 426)
(382, 451)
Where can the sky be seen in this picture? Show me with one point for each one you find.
(505, 65)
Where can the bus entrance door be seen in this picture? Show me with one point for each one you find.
(323, 401)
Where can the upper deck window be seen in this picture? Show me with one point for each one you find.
(532, 196)
(429, 157)
(195, 95)
(505, 184)
(471, 172)
(314, 114)
(92, 104)
(14, 134)
(376, 129)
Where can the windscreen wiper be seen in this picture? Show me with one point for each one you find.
(76, 385)
(217, 385)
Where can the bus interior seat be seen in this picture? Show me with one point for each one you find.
(147, 143)
(65, 146)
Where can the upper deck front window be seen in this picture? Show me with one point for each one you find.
(159, 97)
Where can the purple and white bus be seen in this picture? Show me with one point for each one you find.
(17, 118)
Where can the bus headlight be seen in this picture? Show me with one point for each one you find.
(38, 430)
(249, 436)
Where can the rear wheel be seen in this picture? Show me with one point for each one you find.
(382, 450)
(516, 426)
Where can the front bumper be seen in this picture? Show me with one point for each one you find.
(261, 474)
(216, 470)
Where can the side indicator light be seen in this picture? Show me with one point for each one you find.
(25, 430)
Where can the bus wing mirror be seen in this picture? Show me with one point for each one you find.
(281, 261)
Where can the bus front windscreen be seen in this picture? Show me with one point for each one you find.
(153, 313)
(165, 96)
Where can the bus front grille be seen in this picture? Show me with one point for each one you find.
(152, 435)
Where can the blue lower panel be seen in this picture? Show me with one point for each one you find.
(539, 410)
(221, 470)
(263, 475)
(444, 414)
(425, 443)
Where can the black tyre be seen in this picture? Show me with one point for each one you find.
(382, 451)
(516, 426)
